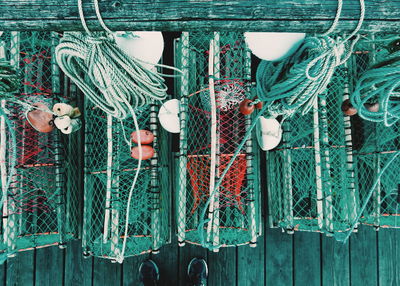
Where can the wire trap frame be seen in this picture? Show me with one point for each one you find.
(311, 174)
(41, 204)
(376, 146)
(216, 78)
(109, 173)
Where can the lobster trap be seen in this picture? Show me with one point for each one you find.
(119, 220)
(375, 148)
(311, 174)
(41, 204)
(216, 78)
(320, 175)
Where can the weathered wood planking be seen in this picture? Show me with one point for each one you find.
(335, 262)
(257, 15)
(389, 257)
(78, 269)
(363, 257)
(107, 273)
(222, 267)
(21, 269)
(278, 258)
(186, 253)
(307, 262)
(49, 266)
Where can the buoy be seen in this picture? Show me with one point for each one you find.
(273, 46)
(169, 116)
(373, 107)
(40, 120)
(146, 137)
(75, 125)
(144, 46)
(245, 107)
(348, 108)
(147, 152)
(62, 122)
(269, 133)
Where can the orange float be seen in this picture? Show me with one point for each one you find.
(246, 107)
(147, 152)
(146, 136)
(348, 108)
(42, 121)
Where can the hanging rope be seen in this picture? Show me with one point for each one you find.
(380, 84)
(295, 83)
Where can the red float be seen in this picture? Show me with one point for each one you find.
(348, 108)
(146, 136)
(147, 152)
(42, 121)
(245, 107)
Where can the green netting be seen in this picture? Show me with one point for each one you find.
(320, 174)
(40, 207)
(233, 212)
(109, 173)
(376, 146)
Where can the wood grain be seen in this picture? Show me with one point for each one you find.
(106, 273)
(78, 269)
(257, 15)
(49, 266)
(20, 269)
(335, 262)
(307, 253)
(222, 267)
(389, 257)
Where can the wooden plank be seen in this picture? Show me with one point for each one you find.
(222, 267)
(178, 15)
(106, 273)
(307, 259)
(49, 266)
(389, 257)
(167, 262)
(186, 253)
(363, 257)
(78, 270)
(251, 264)
(131, 270)
(278, 258)
(3, 273)
(20, 270)
(335, 262)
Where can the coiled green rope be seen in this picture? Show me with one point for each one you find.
(380, 84)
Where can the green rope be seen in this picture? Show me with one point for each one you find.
(8, 78)
(381, 83)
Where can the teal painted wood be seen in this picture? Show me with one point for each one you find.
(49, 266)
(307, 259)
(222, 267)
(3, 271)
(278, 258)
(130, 270)
(389, 257)
(186, 253)
(251, 270)
(335, 262)
(20, 269)
(106, 273)
(78, 270)
(181, 15)
(363, 257)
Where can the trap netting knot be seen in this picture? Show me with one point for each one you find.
(216, 75)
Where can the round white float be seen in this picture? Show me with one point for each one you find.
(273, 46)
(169, 116)
(144, 46)
(269, 133)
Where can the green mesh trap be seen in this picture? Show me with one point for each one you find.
(109, 173)
(377, 145)
(40, 207)
(320, 174)
(216, 76)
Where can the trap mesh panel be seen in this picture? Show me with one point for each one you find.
(375, 147)
(109, 173)
(311, 180)
(211, 130)
(40, 206)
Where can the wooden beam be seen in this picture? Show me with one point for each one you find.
(180, 15)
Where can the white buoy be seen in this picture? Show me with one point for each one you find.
(144, 46)
(169, 116)
(269, 133)
(62, 122)
(273, 46)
